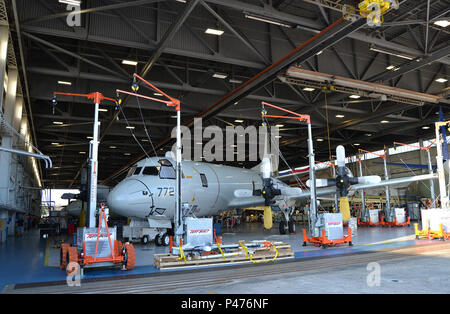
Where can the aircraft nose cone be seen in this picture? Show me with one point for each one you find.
(127, 194)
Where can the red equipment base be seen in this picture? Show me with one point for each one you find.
(367, 223)
(324, 242)
(395, 223)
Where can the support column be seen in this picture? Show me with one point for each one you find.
(5, 158)
(4, 32)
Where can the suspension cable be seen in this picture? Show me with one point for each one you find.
(145, 126)
(131, 131)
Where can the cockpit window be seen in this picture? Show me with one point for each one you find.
(151, 171)
(166, 171)
(131, 171)
(137, 171)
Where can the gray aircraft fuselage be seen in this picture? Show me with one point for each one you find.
(148, 191)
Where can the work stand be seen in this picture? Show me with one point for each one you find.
(431, 234)
(324, 242)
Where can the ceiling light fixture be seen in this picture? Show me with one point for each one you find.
(238, 121)
(441, 80)
(129, 62)
(425, 127)
(220, 75)
(384, 121)
(320, 140)
(71, 2)
(340, 116)
(308, 89)
(442, 23)
(103, 110)
(392, 53)
(354, 96)
(64, 83)
(213, 31)
(130, 127)
(58, 122)
(235, 81)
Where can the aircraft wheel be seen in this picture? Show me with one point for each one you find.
(165, 239)
(291, 226)
(282, 227)
(158, 240)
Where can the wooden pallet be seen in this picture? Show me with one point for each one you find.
(168, 260)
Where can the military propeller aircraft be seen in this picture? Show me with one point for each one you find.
(148, 191)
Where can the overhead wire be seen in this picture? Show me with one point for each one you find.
(145, 126)
(131, 130)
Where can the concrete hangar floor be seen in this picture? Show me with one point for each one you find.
(29, 264)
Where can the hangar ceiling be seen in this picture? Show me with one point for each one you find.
(169, 43)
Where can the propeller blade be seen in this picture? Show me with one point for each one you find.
(243, 193)
(321, 183)
(266, 168)
(369, 180)
(340, 156)
(344, 208)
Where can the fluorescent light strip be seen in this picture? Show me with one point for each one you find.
(71, 2)
(64, 83)
(397, 54)
(235, 81)
(266, 20)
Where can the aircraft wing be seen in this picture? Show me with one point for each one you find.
(395, 181)
(247, 202)
(332, 190)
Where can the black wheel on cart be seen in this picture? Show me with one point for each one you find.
(158, 240)
(165, 239)
(145, 239)
(282, 227)
(291, 226)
